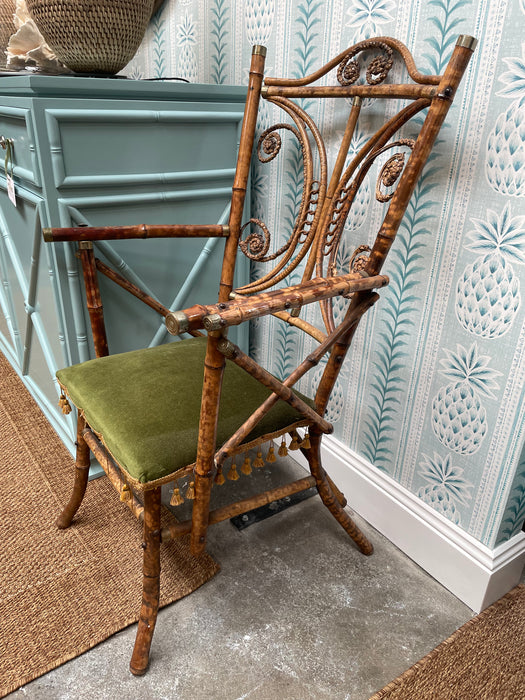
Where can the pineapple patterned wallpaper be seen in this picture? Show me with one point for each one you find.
(436, 399)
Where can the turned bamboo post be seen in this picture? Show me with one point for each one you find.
(361, 302)
(242, 172)
(332, 186)
(436, 114)
(330, 499)
(352, 318)
(81, 478)
(213, 373)
(140, 231)
(131, 288)
(241, 309)
(235, 354)
(93, 298)
(151, 582)
(214, 362)
(239, 507)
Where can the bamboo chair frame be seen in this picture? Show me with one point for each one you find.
(313, 243)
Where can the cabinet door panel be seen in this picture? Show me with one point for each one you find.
(17, 225)
(28, 284)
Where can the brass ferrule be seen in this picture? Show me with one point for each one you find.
(264, 91)
(356, 102)
(85, 245)
(226, 347)
(469, 42)
(48, 235)
(259, 50)
(177, 322)
(213, 322)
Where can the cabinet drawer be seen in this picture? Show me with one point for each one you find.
(16, 124)
(91, 149)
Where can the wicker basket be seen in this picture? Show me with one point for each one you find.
(7, 27)
(92, 36)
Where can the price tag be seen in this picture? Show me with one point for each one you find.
(11, 189)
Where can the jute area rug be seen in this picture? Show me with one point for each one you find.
(63, 592)
(483, 660)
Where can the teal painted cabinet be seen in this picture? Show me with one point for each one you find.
(102, 152)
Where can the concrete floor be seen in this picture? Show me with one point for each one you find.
(296, 613)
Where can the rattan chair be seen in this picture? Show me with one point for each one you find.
(154, 416)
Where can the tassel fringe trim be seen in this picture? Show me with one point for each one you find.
(233, 475)
(64, 404)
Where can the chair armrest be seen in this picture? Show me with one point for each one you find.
(108, 233)
(241, 309)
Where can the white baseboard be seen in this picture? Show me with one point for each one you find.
(473, 572)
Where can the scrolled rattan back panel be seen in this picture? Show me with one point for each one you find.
(357, 79)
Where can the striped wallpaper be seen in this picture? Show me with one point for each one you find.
(433, 392)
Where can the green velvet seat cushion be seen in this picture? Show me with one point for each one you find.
(145, 404)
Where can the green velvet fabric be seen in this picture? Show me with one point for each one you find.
(146, 405)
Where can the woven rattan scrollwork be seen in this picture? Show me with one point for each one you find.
(270, 142)
(359, 258)
(347, 190)
(327, 198)
(256, 244)
(349, 70)
(348, 187)
(297, 245)
(391, 170)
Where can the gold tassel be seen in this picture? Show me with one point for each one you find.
(190, 493)
(219, 476)
(270, 457)
(283, 450)
(246, 466)
(176, 499)
(258, 461)
(64, 404)
(294, 445)
(306, 441)
(125, 493)
(233, 474)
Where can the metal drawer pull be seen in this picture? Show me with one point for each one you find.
(7, 145)
(5, 142)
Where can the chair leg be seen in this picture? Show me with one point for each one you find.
(65, 518)
(200, 515)
(339, 496)
(331, 499)
(151, 583)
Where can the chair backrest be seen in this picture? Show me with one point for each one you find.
(359, 79)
